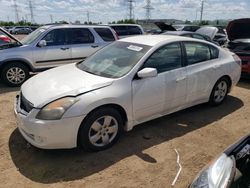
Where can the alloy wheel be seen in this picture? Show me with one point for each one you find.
(103, 131)
(15, 75)
(220, 91)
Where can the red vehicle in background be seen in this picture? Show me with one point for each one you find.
(3, 38)
(239, 42)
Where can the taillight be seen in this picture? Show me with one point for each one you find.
(237, 59)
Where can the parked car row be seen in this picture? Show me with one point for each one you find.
(20, 29)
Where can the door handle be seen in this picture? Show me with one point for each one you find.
(94, 46)
(180, 79)
(64, 48)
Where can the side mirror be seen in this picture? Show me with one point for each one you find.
(42, 43)
(147, 73)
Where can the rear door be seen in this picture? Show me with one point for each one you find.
(202, 65)
(55, 53)
(82, 42)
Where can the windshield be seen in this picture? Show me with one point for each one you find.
(115, 60)
(33, 36)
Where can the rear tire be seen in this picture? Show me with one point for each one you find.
(14, 74)
(219, 92)
(101, 129)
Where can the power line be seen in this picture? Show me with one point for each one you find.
(202, 9)
(131, 9)
(51, 18)
(148, 8)
(16, 11)
(32, 20)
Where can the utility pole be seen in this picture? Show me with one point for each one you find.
(131, 9)
(32, 20)
(148, 8)
(51, 18)
(202, 8)
(16, 11)
(88, 16)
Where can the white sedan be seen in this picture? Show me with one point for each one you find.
(129, 82)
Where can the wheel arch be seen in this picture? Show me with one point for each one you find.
(117, 107)
(22, 61)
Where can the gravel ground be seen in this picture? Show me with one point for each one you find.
(144, 157)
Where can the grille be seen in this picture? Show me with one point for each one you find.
(25, 104)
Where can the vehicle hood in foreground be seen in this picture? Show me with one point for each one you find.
(238, 29)
(59, 82)
(9, 35)
(208, 31)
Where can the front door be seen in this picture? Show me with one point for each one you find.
(56, 52)
(156, 96)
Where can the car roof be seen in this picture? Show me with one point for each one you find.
(123, 25)
(73, 26)
(152, 40)
(179, 32)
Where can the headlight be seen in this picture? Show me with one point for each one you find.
(56, 109)
(217, 175)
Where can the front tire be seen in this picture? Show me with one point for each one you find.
(14, 74)
(101, 129)
(219, 92)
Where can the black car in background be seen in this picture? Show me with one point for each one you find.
(184, 27)
(239, 42)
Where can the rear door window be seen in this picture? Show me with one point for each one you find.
(80, 36)
(105, 34)
(197, 52)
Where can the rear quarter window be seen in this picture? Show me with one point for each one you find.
(134, 30)
(120, 30)
(105, 34)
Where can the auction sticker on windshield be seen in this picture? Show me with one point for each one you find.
(135, 48)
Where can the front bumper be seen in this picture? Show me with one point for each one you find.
(52, 134)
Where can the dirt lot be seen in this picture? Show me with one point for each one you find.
(144, 157)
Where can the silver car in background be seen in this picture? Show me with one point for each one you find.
(50, 46)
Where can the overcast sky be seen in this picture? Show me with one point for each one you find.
(110, 10)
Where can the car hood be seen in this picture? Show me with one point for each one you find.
(59, 82)
(208, 31)
(238, 29)
(164, 27)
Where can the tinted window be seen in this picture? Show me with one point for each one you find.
(197, 52)
(120, 30)
(198, 37)
(80, 36)
(105, 34)
(186, 35)
(214, 52)
(134, 30)
(55, 37)
(166, 58)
